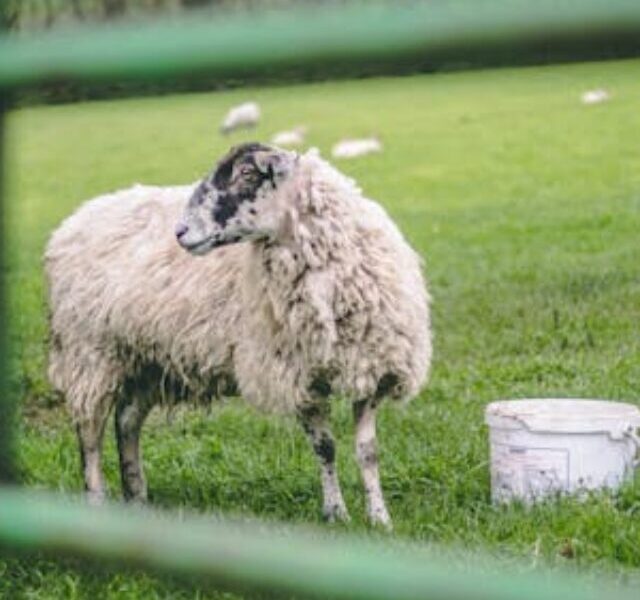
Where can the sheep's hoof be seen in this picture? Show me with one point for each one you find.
(136, 500)
(336, 514)
(96, 498)
(135, 492)
(381, 520)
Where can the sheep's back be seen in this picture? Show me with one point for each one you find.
(118, 281)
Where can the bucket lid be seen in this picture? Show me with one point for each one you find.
(565, 415)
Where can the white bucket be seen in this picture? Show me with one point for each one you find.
(544, 447)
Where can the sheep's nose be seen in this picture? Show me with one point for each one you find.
(181, 230)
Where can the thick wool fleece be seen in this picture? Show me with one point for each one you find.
(335, 304)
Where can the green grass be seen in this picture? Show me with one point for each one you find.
(526, 206)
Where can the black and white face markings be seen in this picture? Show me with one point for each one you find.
(238, 179)
(232, 203)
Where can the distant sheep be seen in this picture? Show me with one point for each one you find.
(354, 148)
(324, 298)
(243, 116)
(291, 138)
(595, 96)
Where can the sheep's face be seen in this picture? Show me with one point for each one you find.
(238, 201)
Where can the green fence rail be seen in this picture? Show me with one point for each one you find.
(262, 557)
(236, 44)
(258, 557)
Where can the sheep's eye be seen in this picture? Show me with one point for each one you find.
(247, 171)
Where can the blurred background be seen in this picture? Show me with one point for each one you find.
(46, 14)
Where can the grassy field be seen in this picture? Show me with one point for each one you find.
(526, 206)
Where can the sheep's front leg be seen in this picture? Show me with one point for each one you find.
(315, 422)
(367, 455)
(130, 415)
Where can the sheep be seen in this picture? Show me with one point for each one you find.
(353, 148)
(245, 115)
(595, 96)
(293, 137)
(286, 286)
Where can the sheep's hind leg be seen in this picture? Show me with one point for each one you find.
(90, 435)
(367, 455)
(130, 415)
(315, 422)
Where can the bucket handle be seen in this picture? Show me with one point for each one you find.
(633, 433)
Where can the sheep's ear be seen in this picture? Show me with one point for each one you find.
(224, 168)
(267, 162)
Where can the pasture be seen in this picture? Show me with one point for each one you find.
(526, 206)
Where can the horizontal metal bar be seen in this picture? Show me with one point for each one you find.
(237, 43)
(266, 557)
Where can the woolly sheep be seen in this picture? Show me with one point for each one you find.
(293, 137)
(324, 298)
(245, 115)
(354, 148)
(595, 96)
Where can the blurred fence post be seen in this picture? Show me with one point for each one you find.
(7, 469)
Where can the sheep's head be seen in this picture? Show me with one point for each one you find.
(238, 201)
